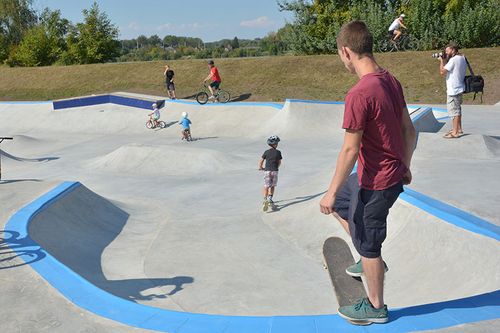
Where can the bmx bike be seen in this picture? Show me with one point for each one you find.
(221, 96)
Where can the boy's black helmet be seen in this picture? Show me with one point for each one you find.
(272, 140)
(210, 62)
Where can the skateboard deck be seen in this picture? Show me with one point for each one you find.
(338, 257)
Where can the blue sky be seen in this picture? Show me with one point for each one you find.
(208, 20)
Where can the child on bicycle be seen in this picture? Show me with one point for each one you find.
(186, 127)
(155, 115)
(273, 159)
(215, 77)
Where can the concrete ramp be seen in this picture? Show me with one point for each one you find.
(156, 160)
(77, 228)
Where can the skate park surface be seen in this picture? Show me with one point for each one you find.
(118, 228)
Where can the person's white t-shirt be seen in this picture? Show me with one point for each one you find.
(455, 75)
(395, 25)
(156, 113)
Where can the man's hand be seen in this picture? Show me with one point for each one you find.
(326, 204)
(407, 177)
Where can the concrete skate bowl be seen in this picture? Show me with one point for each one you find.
(440, 272)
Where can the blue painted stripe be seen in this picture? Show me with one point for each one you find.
(25, 102)
(314, 101)
(451, 214)
(189, 102)
(86, 295)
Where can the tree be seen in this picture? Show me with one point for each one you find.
(235, 43)
(155, 41)
(96, 39)
(16, 17)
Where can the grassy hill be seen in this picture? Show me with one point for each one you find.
(253, 79)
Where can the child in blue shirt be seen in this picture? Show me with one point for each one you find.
(186, 128)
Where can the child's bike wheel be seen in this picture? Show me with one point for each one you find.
(162, 124)
(223, 96)
(202, 97)
(149, 124)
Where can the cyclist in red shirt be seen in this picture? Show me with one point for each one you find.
(215, 77)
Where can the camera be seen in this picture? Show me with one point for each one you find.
(439, 55)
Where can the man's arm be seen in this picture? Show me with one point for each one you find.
(442, 63)
(345, 162)
(409, 136)
(208, 77)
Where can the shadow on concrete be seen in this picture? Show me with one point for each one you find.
(78, 227)
(280, 204)
(468, 303)
(8, 181)
(22, 159)
(193, 96)
(18, 251)
(205, 138)
(242, 97)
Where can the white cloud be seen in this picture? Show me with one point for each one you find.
(259, 22)
(134, 26)
(184, 27)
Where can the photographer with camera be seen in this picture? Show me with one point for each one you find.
(454, 66)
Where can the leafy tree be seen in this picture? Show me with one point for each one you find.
(154, 40)
(235, 43)
(96, 40)
(16, 17)
(34, 50)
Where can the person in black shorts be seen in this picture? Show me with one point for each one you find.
(169, 81)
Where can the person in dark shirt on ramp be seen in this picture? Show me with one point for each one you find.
(169, 81)
(273, 159)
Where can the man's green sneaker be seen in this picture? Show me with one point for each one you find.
(356, 270)
(363, 313)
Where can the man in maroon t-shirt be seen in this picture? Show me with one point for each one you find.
(214, 77)
(380, 136)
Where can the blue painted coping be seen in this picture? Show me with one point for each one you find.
(88, 296)
(188, 102)
(25, 102)
(103, 99)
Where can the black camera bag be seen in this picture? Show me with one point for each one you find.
(473, 83)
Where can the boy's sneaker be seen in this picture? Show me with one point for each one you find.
(356, 270)
(363, 313)
(265, 205)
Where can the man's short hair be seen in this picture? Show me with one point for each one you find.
(452, 45)
(356, 36)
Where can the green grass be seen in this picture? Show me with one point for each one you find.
(261, 79)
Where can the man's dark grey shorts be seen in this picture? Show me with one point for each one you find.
(366, 212)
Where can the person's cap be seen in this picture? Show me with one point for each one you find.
(402, 15)
(210, 62)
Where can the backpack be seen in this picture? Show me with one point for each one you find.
(473, 83)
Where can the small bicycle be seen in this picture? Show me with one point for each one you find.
(221, 96)
(186, 135)
(151, 124)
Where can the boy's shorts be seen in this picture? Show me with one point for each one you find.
(366, 212)
(270, 178)
(170, 86)
(454, 105)
(215, 84)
